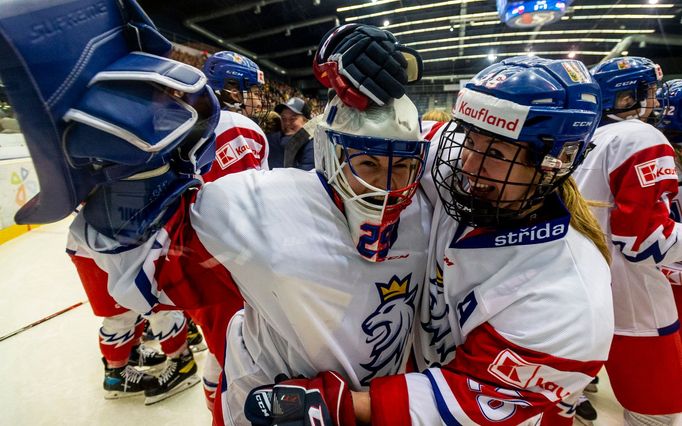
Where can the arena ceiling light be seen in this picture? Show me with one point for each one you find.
(412, 9)
(454, 18)
(622, 6)
(549, 52)
(523, 42)
(450, 77)
(527, 33)
(363, 5)
(429, 29)
(625, 16)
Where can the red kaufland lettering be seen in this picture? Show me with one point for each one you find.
(552, 387)
(665, 172)
(485, 116)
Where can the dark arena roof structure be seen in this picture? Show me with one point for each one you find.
(456, 38)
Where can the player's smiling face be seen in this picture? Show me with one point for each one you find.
(375, 169)
(495, 170)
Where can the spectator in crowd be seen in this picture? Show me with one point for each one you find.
(295, 113)
(299, 152)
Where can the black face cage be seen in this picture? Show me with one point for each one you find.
(251, 102)
(256, 96)
(510, 201)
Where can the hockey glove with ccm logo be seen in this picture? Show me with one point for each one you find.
(324, 400)
(363, 63)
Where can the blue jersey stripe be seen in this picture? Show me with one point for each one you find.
(445, 414)
(672, 328)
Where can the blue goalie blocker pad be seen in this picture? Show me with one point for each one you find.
(97, 101)
(131, 210)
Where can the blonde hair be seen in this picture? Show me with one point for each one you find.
(582, 219)
(436, 115)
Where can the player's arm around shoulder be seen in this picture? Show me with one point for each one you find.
(533, 356)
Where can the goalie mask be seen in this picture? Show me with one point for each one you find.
(522, 127)
(373, 160)
(238, 83)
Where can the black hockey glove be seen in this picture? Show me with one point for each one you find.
(324, 400)
(363, 63)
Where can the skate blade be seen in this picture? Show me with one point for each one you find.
(184, 385)
(198, 347)
(120, 394)
(584, 421)
(592, 387)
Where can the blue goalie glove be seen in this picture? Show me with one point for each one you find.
(103, 112)
(363, 63)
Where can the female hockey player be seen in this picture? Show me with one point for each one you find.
(517, 316)
(632, 170)
(330, 264)
(671, 126)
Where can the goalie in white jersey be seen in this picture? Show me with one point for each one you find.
(631, 169)
(330, 263)
(517, 316)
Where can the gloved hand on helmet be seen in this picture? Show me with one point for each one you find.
(364, 64)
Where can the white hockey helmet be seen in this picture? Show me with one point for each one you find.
(389, 133)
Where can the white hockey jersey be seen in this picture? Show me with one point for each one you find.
(673, 271)
(240, 145)
(631, 168)
(514, 324)
(312, 302)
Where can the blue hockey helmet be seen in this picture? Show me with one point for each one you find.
(671, 123)
(223, 67)
(546, 109)
(627, 74)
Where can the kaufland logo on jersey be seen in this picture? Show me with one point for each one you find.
(232, 152)
(499, 116)
(656, 170)
(510, 368)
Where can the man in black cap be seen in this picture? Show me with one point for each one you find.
(295, 113)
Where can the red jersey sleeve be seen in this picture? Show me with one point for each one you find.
(490, 381)
(643, 187)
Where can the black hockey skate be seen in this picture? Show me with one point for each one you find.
(142, 356)
(179, 374)
(194, 338)
(125, 381)
(585, 412)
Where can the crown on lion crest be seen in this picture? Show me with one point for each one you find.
(394, 288)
